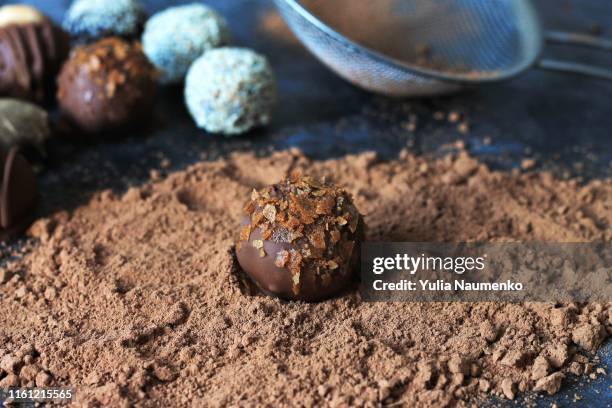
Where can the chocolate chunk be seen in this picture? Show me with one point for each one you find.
(299, 239)
(18, 193)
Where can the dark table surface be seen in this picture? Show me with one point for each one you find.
(564, 122)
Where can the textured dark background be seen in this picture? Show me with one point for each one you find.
(565, 122)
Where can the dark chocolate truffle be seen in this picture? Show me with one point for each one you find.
(32, 50)
(18, 193)
(299, 239)
(107, 85)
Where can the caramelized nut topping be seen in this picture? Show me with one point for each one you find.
(282, 257)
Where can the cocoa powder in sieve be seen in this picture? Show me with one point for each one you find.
(136, 299)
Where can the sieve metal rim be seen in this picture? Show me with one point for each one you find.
(430, 74)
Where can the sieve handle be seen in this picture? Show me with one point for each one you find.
(581, 40)
(571, 67)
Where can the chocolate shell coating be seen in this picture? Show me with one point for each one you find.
(23, 123)
(31, 55)
(300, 239)
(107, 85)
(18, 193)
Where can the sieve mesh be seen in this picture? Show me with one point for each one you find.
(379, 45)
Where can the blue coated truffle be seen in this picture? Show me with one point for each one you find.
(88, 20)
(230, 90)
(175, 37)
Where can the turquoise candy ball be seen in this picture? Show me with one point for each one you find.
(89, 20)
(230, 91)
(177, 36)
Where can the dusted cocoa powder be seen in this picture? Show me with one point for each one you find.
(138, 300)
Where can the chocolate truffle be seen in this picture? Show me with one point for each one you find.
(32, 50)
(18, 193)
(230, 90)
(107, 85)
(175, 37)
(90, 20)
(299, 239)
(22, 123)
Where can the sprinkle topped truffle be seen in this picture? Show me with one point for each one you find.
(230, 90)
(107, 84)
(88, 20)
(177, 36)
(300, 239)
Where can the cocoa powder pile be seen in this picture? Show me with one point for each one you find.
(137, 299)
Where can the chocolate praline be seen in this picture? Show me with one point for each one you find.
(23, 124)
(107, 85)
(299, 239)
(18, 193)
(32, 50)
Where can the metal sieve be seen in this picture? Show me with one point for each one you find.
(430, 47)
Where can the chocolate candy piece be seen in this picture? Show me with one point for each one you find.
(230, 91)
(18, 193)
(91, 20)
(22, 123)
(32, 50)
(299, 239)
(177, 36)
(106, 85)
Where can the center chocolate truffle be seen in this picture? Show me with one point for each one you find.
(300, 238)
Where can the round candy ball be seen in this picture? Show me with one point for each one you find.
(300, 239)
(230, 90)
(88, 20)
(177, 36)
(106, 85)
